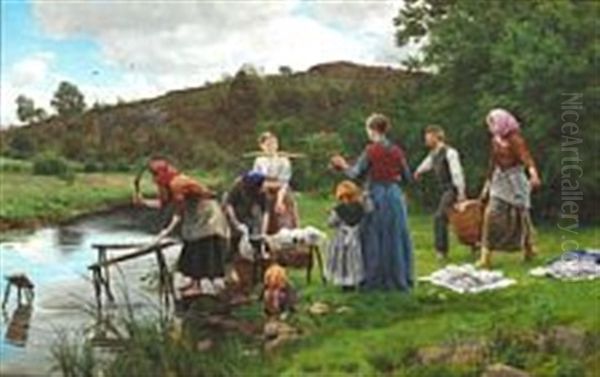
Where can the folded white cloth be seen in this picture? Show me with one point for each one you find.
(571, 268)
(289, 237)
(467, 279)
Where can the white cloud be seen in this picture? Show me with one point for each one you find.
(165, 45)
(29, 76)
(176, 38)
(32, 69)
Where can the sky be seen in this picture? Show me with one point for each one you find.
(131, 49)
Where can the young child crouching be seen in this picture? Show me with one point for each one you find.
(279, 295)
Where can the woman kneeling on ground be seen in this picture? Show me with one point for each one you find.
(204, 228)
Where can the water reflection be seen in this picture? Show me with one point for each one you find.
(69, 239)
(17, 329)
(56, 261)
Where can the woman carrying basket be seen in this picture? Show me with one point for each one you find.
(507, 222)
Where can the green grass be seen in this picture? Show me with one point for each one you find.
(14, 165)
(27, 199)
(380, 332)
(381, 329)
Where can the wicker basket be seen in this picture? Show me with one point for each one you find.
(295, 257)
(467, 223)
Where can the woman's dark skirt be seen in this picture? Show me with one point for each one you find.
(203, 258)
(506, 227)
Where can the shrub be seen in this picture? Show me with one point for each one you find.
(116, 166)
(14, 166)
(91, 167)
(21, 145)
(50, 164)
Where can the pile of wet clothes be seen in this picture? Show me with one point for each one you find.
(572, 266)
(468, 279)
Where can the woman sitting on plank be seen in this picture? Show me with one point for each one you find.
(277, 168)
(204, 228)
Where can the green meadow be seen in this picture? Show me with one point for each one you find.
(362, 334)
(396, 334)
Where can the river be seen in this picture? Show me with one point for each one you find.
(56, 260)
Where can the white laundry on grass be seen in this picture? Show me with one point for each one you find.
(572, 266)
(468, 279)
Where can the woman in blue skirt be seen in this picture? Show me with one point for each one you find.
(386, 244)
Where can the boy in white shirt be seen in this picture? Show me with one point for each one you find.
(445, 162)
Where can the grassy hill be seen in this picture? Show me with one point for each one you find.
(205, 127)
(318, 112)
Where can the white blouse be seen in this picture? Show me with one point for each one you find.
(279, 168)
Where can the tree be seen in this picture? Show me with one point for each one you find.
(25, 109)
(68, 100)
(27, 112)
(520, 55)
(21, 145)
(285, 70)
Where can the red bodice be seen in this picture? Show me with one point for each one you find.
(385, 162)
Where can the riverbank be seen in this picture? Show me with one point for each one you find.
(30, 201)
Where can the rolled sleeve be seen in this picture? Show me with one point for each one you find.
(456, 171)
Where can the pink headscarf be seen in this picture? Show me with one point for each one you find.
(501, 123)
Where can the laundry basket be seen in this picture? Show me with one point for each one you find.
(467, 223)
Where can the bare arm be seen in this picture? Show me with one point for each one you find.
(230, 213)
(520, 148)
(265, 223)
(138, 199)
(169, 228)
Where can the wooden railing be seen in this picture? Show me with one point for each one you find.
(101, 270)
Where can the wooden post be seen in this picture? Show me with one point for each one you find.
(97, 289)
(102, 258)
(316, 250)
(166, 287)
(309, 267)
(6, 294)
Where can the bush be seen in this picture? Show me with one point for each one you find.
(91, 167)
(9, 165)
(50, 164)
(116, 166)
(112, 166)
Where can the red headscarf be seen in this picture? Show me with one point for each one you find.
(175, 186)
(163, 172)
